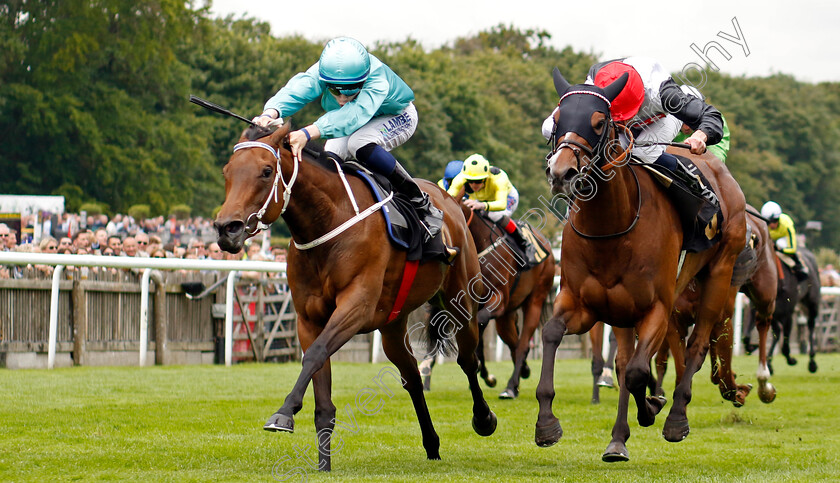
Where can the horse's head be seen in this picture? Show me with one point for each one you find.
(252, 194)
(583, 132)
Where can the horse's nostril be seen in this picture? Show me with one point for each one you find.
(230, 229)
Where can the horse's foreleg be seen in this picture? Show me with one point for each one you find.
(483, 320)
(484, 421)
(324, 414)
(722, 340)
(596, 337)
(341, 327)
(548, 430)
(508, 332)
(397, 352)
(766, 391)
(710, 310)
(812, 348)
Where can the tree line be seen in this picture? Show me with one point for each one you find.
(93, 106)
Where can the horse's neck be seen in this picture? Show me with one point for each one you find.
(613, 206)
(312, 206)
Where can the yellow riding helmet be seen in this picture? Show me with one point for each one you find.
(476, 168)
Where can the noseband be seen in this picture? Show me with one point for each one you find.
(278, 177)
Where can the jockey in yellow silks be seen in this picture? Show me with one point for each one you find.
(489, 189)
(783, 233)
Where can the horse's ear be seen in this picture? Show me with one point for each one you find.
(560, 82)
(613, 90)
(256, 132)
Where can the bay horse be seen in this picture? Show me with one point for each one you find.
(346, 282)
(621, 260)
(793, 293)
(757, 279)
(511, 288)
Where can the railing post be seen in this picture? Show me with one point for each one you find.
(161, 336)
(56, 281)
(229, 296)
(79, 322)
(144, 315)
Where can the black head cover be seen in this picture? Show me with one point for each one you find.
(581, 101)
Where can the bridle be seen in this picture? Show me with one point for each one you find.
(599, 159)
(278, 177)
(287, 195)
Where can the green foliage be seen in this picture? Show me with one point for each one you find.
(92, 208)
(93, 98)
(140, 212)
(181, 212)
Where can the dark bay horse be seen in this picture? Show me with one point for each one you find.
(346, 282)
(757, 278)
(792, 293)
(621, 261)
(511, 288)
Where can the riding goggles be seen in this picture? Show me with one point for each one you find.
(344, 89)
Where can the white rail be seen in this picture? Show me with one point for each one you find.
(60, 261)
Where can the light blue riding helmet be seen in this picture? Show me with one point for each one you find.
(344, 61)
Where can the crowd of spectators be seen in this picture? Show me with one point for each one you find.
(192, 238)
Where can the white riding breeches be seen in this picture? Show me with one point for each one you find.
(388, 131)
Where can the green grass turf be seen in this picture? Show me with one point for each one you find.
(204, 423)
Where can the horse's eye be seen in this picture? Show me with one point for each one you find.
(267, 172)
(599, 125)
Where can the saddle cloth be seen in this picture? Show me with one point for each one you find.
(405, 231)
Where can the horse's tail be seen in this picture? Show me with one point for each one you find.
(439, 336)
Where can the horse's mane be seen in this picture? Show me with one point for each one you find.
(315, 150)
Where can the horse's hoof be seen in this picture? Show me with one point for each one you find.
(491, 381)
(675, 431)
(657, 402)
(812, 367)
(596, 400)
(767, 393)
(615, 452)
(487, 427)
(509, 394)
(741, 395)
(280, 422)
(549, 434)
(606, 381)
(525, 373)
(792, 361)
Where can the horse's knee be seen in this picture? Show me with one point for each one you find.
(636, 377)
(554, 330)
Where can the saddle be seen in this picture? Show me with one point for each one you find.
(535, 251)
(405, 231)
(695, 200)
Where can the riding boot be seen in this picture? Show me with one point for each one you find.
(799, 269)
(383, 162)
(429, 215)
(510, 227)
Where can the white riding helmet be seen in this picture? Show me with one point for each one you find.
(771, 211)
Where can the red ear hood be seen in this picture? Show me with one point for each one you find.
(627, 103)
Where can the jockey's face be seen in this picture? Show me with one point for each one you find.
(342, 99)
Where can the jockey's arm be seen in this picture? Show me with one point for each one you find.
(499, 186)
(706, 121)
